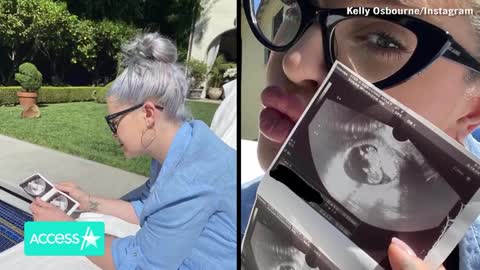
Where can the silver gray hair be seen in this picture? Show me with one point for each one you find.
(152, 73)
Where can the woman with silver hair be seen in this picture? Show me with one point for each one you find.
(187, 211)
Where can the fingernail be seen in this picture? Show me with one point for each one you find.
(399, 243)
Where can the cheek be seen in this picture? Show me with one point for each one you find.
(128, 134)
(434, 95)
(132, 146)
(274, 71)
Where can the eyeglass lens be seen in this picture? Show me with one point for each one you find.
(278, 21)
(374, 48)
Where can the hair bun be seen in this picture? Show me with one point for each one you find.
(151, 46)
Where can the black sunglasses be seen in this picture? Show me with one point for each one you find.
(400, 47)
(111, 117)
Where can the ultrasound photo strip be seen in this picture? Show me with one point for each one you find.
(273, 243)
(355, 152)
(38, 186)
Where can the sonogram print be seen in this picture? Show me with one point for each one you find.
(272, 244)
(273, 252)
(383, 181)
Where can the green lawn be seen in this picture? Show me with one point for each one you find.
(80, 129)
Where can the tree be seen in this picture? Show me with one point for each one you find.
(15, 34)
(129, 11)
(68, 39)
(52, 32)
(85, 46)
(172, 18)
(29, 26)
(109, 37)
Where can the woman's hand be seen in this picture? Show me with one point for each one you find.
(75, 192)
(402, 257)
(43, 211)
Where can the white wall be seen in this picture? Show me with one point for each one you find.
(253, 70)
(217, 17)
(253, 81)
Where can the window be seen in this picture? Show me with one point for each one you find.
(276, 22)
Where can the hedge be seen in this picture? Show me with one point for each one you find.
(8, 95)
(49, 94)
(100, 93)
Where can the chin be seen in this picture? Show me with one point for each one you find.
(128, 154)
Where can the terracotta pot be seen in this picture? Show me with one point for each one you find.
(27, 99)
(214, 93)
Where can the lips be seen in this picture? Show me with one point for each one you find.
(282, 110)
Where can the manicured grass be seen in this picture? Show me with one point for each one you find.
(80, 129)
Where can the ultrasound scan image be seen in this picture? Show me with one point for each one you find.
(59, 201)
(384, 181)
(36, 186)
(272, 244)
(272, 252)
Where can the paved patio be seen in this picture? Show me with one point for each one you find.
(19, 159)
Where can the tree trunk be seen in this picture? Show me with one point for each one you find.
(11, 72)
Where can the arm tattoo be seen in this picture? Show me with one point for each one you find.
(92, 205)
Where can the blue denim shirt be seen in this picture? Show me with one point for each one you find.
(469, 246)
(188, 213)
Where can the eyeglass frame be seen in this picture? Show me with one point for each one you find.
(114, 126)
(424, 55)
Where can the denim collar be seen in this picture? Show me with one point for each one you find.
(179, 145)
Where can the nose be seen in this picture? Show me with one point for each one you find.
(304, 63)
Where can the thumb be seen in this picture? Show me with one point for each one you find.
(41, 203)
(401, 257)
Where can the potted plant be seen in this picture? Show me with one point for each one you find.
(31, 80)
(197, 71)
(216, 78)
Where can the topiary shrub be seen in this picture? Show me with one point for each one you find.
(29, 77)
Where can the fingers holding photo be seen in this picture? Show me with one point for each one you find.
(75, 192)
(402, 257)
(38, 202)
(63, 195)
(34, 207)
(48, 213)
(66, 185)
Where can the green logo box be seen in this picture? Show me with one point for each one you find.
(55, 238)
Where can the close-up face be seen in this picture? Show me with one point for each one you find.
(377, 50)
(128, 127)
